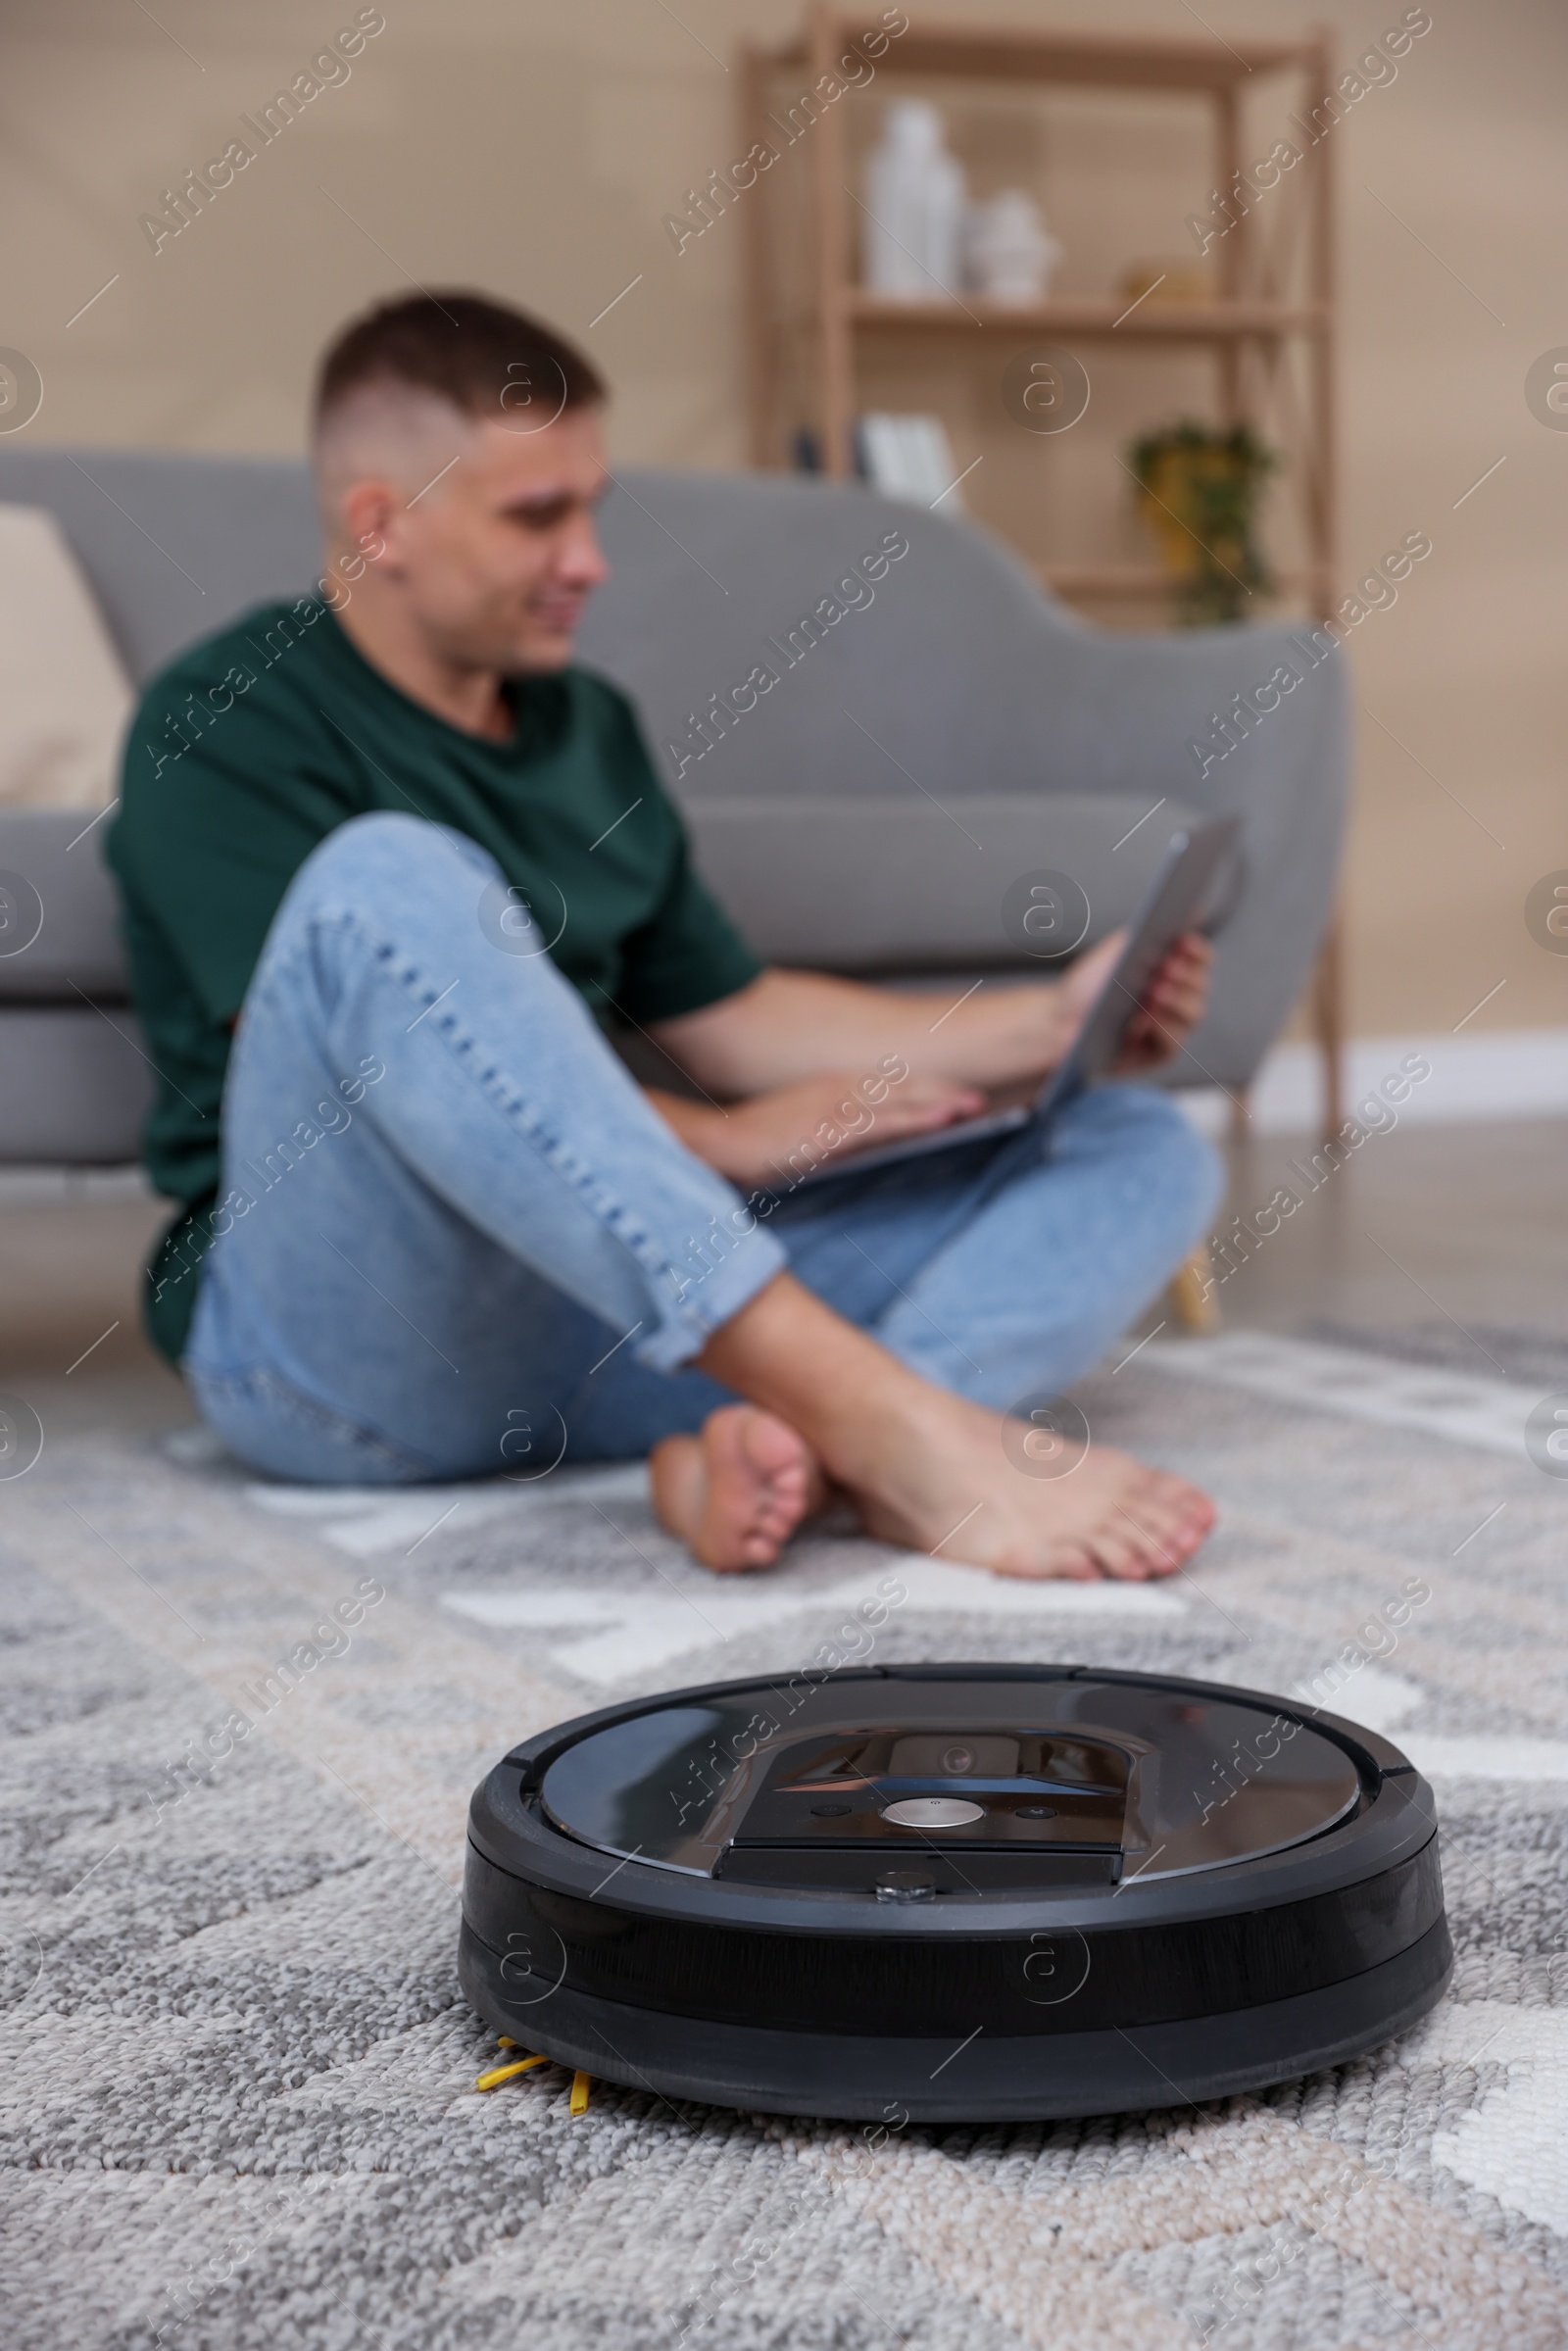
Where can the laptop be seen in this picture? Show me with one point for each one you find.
(1179, 898)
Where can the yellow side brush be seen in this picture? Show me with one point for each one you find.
(580, 2092)
(509, 2073)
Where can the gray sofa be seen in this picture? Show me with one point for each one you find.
(952, 728)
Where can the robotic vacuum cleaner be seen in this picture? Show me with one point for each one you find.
(972, 1892)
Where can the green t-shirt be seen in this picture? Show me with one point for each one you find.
(257, 744)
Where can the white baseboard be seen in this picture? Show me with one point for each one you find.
(1496, 1073)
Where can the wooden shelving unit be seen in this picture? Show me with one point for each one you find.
(1247, 329)
(1275, 301)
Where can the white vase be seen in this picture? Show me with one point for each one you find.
(916, 203)
(1011, 256)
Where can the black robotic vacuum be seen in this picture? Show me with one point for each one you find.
(965, 1893)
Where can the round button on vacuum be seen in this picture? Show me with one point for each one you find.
(905, 1885)
(934, 1812)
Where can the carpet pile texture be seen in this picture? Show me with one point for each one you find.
(239, 2110)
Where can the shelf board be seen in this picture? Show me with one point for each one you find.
(1105, 60)
(1149, 323)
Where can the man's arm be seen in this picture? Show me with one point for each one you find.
(805, 1066)
(788, 1026)
(791, 1026)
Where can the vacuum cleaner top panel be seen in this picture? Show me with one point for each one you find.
(1053, 1784)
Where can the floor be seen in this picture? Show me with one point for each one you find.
(1453, 1236)
(237, 2078)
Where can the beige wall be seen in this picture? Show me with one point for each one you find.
(533, 150)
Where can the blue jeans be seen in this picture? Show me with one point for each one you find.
(453, 1237)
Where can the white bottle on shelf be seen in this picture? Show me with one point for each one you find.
(915, 205)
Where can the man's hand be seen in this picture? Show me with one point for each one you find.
(776, 1138)
(1172, 1003)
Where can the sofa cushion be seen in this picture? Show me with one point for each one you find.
(59, 913)
(75, 1086)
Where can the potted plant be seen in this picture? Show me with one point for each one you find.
(1199, 489)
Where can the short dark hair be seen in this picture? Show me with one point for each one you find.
(464, 348)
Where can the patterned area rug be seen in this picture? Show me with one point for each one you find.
(239, 2102)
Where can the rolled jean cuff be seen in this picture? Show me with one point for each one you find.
(715, 1279)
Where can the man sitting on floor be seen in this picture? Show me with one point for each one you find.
(392, 867)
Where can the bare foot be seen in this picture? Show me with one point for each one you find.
(931, 1471)
(736, 1492)
(948, 1487)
